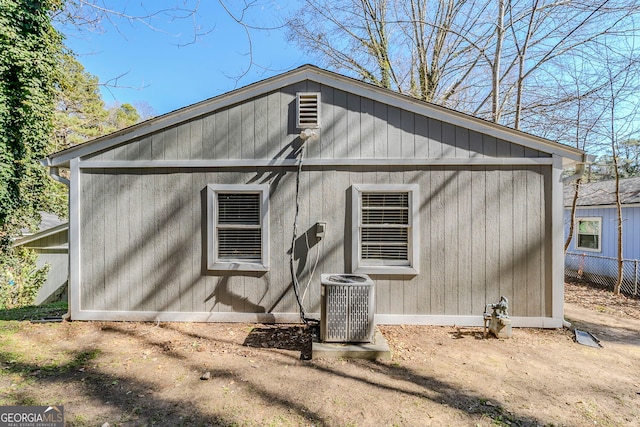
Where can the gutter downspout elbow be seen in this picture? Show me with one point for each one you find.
(580, 169)
(54, 172)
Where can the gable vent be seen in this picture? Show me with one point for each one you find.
(308, 105)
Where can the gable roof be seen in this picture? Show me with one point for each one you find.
(570, 155)
(602, 193)
(30, 238)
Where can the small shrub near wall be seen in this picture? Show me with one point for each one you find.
(20, 278)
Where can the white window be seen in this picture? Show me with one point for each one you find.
(589, 233)
(385, 229)
(238, 227)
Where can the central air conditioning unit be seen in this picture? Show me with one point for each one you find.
(348, 304)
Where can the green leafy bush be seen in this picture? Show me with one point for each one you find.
(20, 278)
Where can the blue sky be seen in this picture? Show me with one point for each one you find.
(165, 68)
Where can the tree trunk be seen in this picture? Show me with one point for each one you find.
(522, 55)
(616, 174)
(495, 99)
(618, 284)
(574, 203)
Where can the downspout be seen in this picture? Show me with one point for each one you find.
(54, 172)
(580, 169)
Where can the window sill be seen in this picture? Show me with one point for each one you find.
(588, 249)
(238, 266)
(386, 269)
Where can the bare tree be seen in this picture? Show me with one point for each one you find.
(606, 115)
(495, 67)
(582, 126)
(95, 15)
(497, 60)
(78, 17)
(351, 35)
(424, 48)
(619, 86)
(615, 83)
(445, 52)
(544, 35)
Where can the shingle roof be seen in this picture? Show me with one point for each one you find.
(603, 192)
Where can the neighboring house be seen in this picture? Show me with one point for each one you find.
(595, 231)
(190, 216)
(52, 246)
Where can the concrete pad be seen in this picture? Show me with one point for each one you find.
(378, 349)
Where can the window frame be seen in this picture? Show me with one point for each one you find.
(363, 266)
(213, 262)
(599, 235)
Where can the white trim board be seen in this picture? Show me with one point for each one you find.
(173, 316)
(557, 240)
(380, 319)
(444, 320)
(75, 273)
(223, 164)
(40, 235)
(52, 249)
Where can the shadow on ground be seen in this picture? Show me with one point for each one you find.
(283, 337)
(136, 402)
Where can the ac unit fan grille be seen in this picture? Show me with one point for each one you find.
(348, 313)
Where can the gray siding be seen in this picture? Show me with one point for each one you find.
(353, 127)
(52, 250)
(482, 234)
(484, 229)
(60, 238)
(57, 276)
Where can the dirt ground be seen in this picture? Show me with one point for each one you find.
(138, 374)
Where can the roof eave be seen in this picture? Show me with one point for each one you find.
(40, 235)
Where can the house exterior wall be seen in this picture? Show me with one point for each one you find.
(52, 250)
(138, 213)
(57, 276)
(53, 240)
(142, 241)
(601, 267)
(609, 216)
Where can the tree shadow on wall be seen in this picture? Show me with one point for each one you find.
(223, 294)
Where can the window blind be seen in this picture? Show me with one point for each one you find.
(384, 227)
(238, 229)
